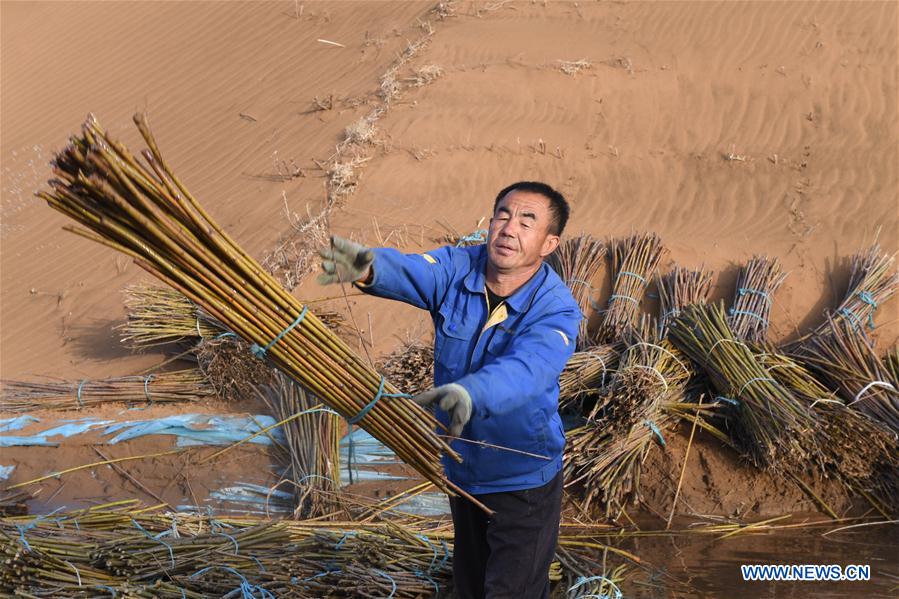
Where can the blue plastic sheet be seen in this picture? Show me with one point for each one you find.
(198, 429)
(43, 438)
(191, 429)
(6, 472)
(14, 441)
(255, 495)
(17, 423)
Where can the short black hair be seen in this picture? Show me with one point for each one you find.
(558, 206)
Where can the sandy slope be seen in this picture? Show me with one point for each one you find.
(803, 94)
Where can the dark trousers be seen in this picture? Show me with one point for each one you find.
(506, 555)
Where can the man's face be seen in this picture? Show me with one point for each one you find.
(519, 235)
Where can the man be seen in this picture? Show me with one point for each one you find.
(505, 325)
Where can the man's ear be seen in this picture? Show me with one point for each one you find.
(549, 245)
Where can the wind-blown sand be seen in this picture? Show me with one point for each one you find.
(729, 129)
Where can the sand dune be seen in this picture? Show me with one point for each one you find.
(727, 128)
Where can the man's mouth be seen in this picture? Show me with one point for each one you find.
(504, 250)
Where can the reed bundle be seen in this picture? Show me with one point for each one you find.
(144, 211)
(634, 260)
(125, 550)
(312, 449)
(872, 281)
(577, 260)
(605, 455)
(771, 425)
(751, 309)
(854, 448)
(845, 360)
(161, 387)
(179, 555)
(160, 316)
(587, 371)
(678, 288)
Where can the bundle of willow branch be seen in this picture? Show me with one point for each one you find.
(160, 316)
(871, 282)
(846, 361)
(577, 260)
(587, 371)
(124, 550)
(605, 454)
(580, 581)
(678, 288)
(162, 387)
(751, 309)
(179, 555)
(771, 424)
(146, 212)
(634, 260)
(312, 450)
(853, 447)
(410, 367)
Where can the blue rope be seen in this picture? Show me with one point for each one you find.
(446, 553)
(78, 394)
(110, 589)
(733, 402)
(433, 548)
(390, 578)
(258, 563)
(655, 429)
(260, 352)
(157, 538)
(584, 580)
(146, 390)
(295, 580)
(358, 417)
(745, 290)
(424, 576)
(225, 334)
(866, 297)
(627, 297)
(733, 312)
(247, 590)
(631, 274)
(854, 320)
(479, 236)
(343, 539)
(147, 380)
(25, 528)
(216, 529)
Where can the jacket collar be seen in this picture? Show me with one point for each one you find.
(476, 280)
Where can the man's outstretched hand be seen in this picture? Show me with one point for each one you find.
(453, 399)
(344, 261)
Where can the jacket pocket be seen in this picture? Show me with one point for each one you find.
(524, 430)
(453, 341)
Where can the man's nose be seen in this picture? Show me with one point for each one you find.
(509, 228)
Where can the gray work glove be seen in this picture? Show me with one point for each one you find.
(345, 261)
(454, 399)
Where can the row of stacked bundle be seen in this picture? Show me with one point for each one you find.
(825, 404)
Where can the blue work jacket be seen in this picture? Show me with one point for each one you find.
(509, 364)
